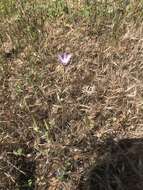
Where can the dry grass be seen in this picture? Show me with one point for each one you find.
(53, 120)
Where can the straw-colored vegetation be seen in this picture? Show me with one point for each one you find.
(53, 119)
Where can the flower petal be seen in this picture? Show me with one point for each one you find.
(64, 58)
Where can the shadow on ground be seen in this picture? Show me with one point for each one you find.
(17, 168)
(120, 167)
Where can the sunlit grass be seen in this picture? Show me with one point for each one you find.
(51, 115)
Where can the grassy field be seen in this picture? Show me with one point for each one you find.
(63, 127)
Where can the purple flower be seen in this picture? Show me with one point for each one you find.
(64, 58)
